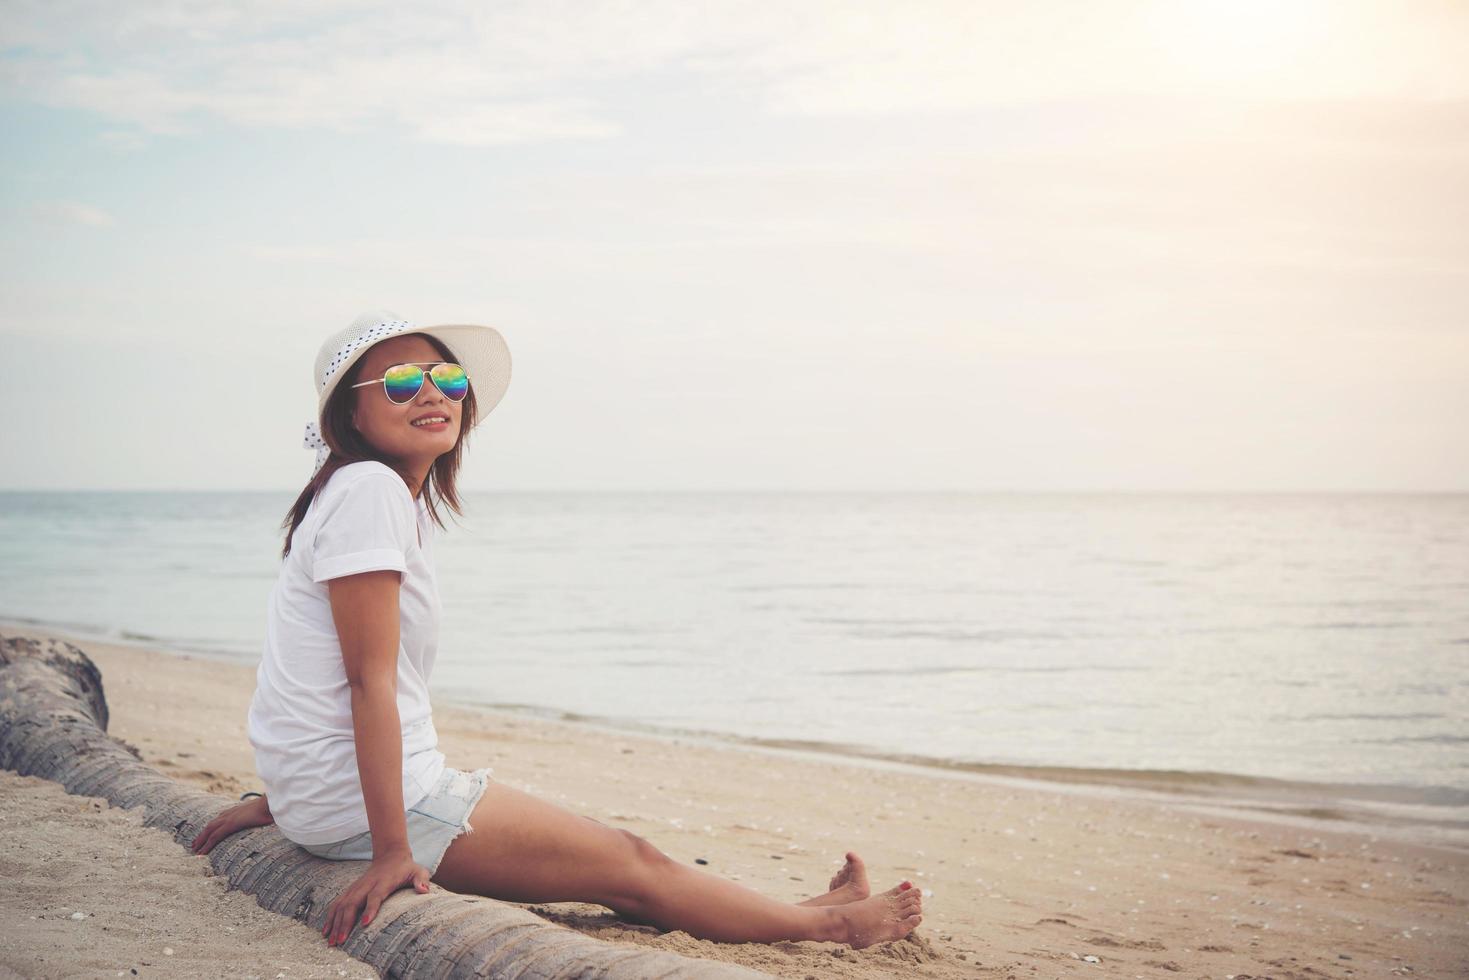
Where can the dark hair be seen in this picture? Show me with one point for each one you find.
(350, 446)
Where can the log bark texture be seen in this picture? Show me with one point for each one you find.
(53, 721)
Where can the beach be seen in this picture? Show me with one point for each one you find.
(1020, 878)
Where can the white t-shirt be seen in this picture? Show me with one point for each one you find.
(300, 721)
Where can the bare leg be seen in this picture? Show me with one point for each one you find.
(527, 850)
(710, 907)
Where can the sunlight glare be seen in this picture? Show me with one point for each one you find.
(1258, 45)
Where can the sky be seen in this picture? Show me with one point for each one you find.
(1043, 246)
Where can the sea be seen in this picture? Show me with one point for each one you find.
(1300, 656)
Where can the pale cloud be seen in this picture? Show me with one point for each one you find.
(523, 72)
(71, 213)
(1039, 251)
(1094, 244)
(297, 254)
(122, 139)
(937, 56)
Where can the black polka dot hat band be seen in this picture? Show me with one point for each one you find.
(480, 350)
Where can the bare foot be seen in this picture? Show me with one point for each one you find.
(881, 918)
(848, 885)
(853, 876)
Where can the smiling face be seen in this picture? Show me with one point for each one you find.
(390, 427)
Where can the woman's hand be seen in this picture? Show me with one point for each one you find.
(388, 873)
(254, 812)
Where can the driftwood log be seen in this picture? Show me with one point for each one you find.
(53, 724)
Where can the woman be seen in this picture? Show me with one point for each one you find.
(340, 722)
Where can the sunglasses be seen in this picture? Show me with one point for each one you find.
(402, 382)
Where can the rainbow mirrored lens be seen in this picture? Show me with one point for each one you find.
(402, 381)
(452, 380)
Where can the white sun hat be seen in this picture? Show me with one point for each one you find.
(480, 350)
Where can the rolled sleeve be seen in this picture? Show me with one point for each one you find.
(368, 526)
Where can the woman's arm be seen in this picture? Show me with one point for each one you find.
(365, 610)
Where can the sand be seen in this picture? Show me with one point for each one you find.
(1020, 879)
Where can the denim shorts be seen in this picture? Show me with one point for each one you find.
(433, 822)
